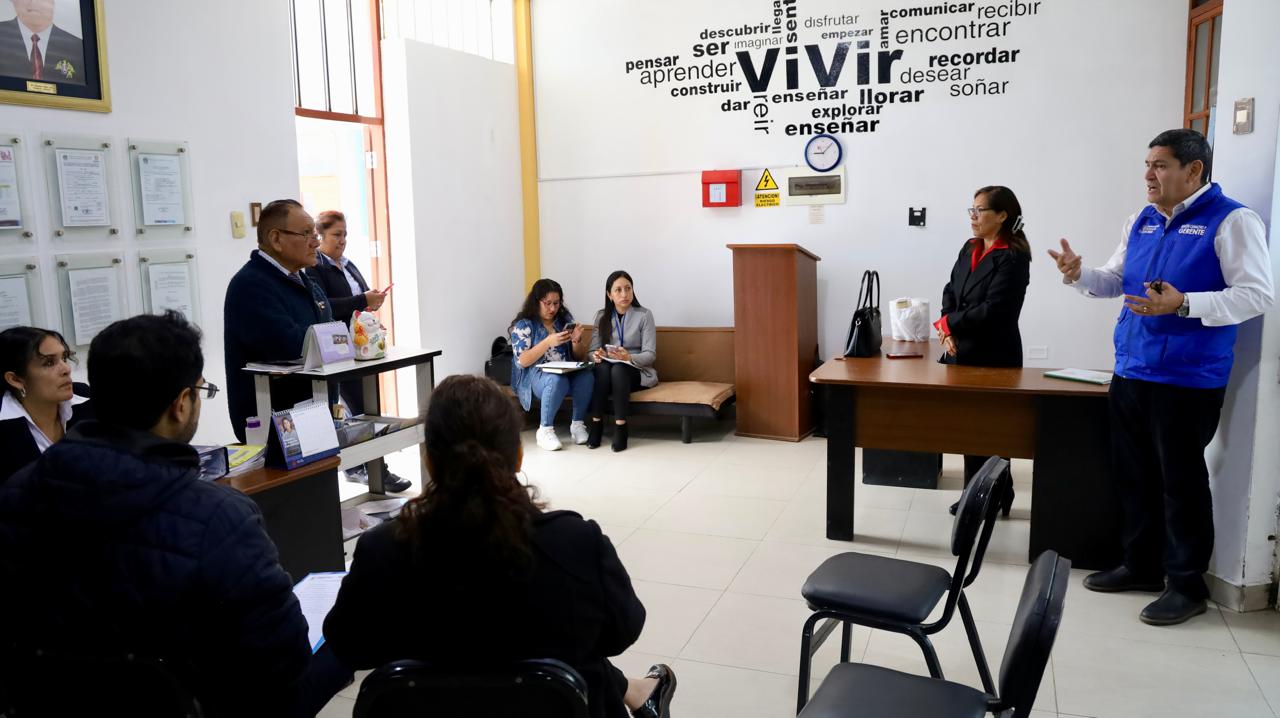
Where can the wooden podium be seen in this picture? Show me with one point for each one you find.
(775, 321)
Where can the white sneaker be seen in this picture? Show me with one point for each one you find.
(547, 438)
(578, 430)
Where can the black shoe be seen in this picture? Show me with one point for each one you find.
(1006, 504)
(595, 433)
(393, 484)
(658, 705)
(1119, 579)
(619, 437)
(1171, 609)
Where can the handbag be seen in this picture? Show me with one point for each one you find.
(864, 331)
(498, 366)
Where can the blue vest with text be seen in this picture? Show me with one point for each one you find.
(1170, 349)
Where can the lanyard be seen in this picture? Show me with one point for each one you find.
(620, 324)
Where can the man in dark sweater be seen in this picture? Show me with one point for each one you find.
(270, 304)
(111, 545)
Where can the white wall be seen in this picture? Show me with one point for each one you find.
(1245, 456)
(453, 158)
(619, 187)
(1085, 96)
(218, 75)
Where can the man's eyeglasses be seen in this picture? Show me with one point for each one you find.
(308, 235)
(208, 387)
(975, 211)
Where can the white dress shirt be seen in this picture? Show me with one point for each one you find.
(1241, 246)
(11, 408)
(44, 40)
(342, 264)
(295, 276)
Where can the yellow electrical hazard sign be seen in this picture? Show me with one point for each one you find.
(766, 182)
(768, 199)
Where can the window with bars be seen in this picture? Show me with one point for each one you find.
(1204, 37)
(480, 27)
(333, 59)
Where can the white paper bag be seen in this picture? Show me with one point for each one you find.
(909, 319)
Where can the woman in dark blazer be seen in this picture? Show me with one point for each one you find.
(492, 577)
(340, 279)
(982, 302)
(348, 292)
(39, 401)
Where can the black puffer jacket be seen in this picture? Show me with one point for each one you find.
(109, 541)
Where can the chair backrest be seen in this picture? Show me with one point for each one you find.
(1034, 628)
(42, 683)
(541, 688)
(975, 518)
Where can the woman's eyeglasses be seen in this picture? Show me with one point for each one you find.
(975, 211)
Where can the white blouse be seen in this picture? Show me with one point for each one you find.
(11, 408)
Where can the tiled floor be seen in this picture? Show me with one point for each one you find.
(719, 535)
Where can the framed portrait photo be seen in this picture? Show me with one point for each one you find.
(53, 53)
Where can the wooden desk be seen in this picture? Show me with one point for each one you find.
(302, 514)
(921, 405)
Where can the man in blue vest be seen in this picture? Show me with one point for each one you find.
(1191, 265)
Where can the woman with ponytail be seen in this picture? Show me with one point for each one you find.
(982, 302)
(492, 577)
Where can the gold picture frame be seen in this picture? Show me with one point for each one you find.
(73, 72)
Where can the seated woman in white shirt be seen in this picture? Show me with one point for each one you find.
(39, 402)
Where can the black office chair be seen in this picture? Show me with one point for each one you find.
(40, 683)
(541, 688)
(893, 594)
(858, 690)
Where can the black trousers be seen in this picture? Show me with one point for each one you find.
(1158, 436)
(615, 381)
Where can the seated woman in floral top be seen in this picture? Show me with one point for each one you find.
(544, 331)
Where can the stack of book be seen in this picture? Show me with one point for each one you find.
(243, 458)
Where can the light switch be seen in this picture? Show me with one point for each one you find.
(237, 225)
(1242, 123)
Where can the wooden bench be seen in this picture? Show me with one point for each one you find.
(695, 376)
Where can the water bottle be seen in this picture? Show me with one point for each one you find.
(254, 432)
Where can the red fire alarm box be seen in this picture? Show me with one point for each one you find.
(722, 188)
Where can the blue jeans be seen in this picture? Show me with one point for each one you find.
(551, 390)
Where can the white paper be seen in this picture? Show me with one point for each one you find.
(82, 185)
(355, 523)
(315, 429)
(170, 288)
(817, 214)
(1085, 375)
(317, 592)
(95, 302)
(561, 365)
(717, 193)
(15, 305)
(161, 179)
(384, 506)
(10, 206)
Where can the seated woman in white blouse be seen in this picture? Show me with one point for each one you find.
(40, 402)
